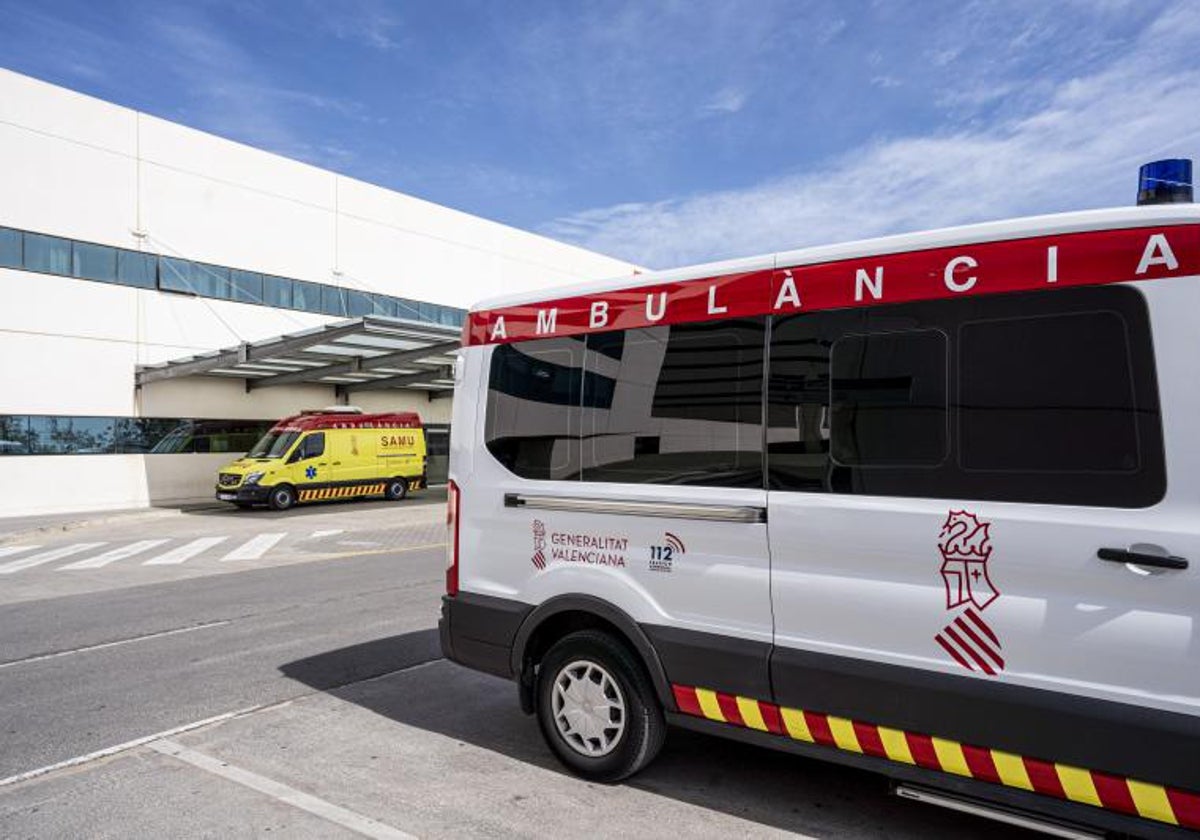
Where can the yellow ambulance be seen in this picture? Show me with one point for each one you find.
(329, 454)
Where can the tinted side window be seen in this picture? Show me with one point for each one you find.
(534, 391)
(888, 400)
(684, 405)
(1051, 397)
(313, 445)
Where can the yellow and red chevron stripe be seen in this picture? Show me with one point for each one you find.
(1089, 787)
(340, 492)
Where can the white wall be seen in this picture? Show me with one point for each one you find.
(77, 167)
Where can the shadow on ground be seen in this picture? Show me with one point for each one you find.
(770, 788)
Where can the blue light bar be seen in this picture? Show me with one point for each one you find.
(1165, 182)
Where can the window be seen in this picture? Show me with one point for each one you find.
(359, 304)
(94, 262)
(136, 269)
(888, 399)
(211, 280)
(534, 390)
(675, 405)
(406, 309)
(384, 305)
(1049, 394)
(71, 435)
(312, 446)
(277, 291)
(47, 254)
(333, 301)
(10, 248)
(1045, 397)
(175, 275)
(247, 286)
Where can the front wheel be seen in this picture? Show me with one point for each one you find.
(282, 497)
(596, 707)
(396, 490)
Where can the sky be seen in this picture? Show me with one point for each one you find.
(664, 133)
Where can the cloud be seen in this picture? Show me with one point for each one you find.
(234, 95)
(364, 22)
(1078, 146)
(728, 100)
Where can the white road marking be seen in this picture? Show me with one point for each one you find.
(254, 548)
(113, 555)
(282, 793)
(184, 552)
(331, 532)
(117, 643)
(120, 748)
(47, 557)
(10, 550)
(359, 543)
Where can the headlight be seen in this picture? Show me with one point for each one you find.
(253, 478)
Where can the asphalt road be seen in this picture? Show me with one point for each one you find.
(335, 715)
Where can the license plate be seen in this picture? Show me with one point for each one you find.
(227, 497)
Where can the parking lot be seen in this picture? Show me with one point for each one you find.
(286, 679)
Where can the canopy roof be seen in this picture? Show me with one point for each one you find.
(373, 352)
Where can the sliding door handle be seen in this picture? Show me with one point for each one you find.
(1120, 555)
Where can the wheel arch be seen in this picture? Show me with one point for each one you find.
(565, 614)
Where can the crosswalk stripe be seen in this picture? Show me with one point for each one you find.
(185, 552)
(10, 550)
(113, 555)
(47, 557)
(254, 548)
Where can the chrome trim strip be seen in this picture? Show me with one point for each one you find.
(670, 510)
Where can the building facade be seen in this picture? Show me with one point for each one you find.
(127, 240)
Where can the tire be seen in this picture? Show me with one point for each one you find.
(282, 497)
(593, 750)
(396, 489)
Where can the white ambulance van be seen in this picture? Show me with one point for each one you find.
(927, 505)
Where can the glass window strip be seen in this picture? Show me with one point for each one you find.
(45, 254)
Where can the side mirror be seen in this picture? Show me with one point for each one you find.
(296, 456)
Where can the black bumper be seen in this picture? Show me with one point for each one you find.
(478, 631)
(253, 494)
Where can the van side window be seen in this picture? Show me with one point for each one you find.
(534, 393)
(888, 399)
(1051, 397)
(312, 446)
(1047, 394)
(685, 405)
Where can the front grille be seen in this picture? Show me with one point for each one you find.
(229, 479)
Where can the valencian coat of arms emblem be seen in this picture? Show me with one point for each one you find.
(966, 547)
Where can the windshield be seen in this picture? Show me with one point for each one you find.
(273, 445)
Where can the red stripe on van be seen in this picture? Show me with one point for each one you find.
(772, 718)
(1081, 259)
(1186, 807)
(868, 739)
(818, 727)
(1044, 777)
(729, 708)
(980, 763)
(686, 700)
(1113, 792)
